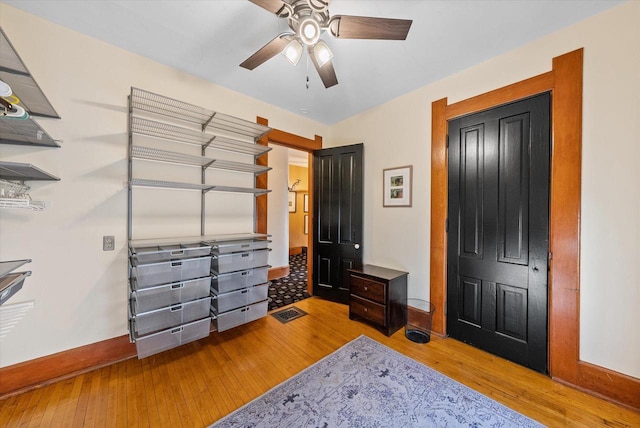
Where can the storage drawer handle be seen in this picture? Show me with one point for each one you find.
(177, 252)
(244, 245)
(244, 309)
(176, 264)
(246, 255)
(176, 308)
(177, 330)
(176, 286)
(244, 291)
(245, 273)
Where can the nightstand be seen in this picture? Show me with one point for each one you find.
(379, 296)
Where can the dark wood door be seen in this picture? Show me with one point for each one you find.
(337, 204)
(498, 233)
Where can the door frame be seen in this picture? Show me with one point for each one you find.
(564, 81)
(292, 141)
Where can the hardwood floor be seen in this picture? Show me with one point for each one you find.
(194, 385)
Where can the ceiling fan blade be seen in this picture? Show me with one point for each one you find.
(327, 72)
(273, 6)
(268, 51)
(364, 27)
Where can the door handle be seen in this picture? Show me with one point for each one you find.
(535, 268)
(356, 246)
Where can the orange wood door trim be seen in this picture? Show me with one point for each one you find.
(294, 141)
(565, 83)
(564, 227)
(439, 191)
(51, 368)
(517, 91)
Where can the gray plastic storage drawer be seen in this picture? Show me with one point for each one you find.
(241, 316)
(173, 337)
(148, 275)
(223, 263)
(148, 299)
(225, 282)
(164, 253)
(241, 246)
(171, 316)
(236, 299)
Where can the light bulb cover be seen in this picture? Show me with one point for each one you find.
(293, 51)
(322, 53)
(309, 31)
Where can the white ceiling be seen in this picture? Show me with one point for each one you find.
(211, 38)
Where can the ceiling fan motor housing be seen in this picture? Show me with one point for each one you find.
(308, 22)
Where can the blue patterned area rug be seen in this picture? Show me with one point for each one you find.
(366, 384)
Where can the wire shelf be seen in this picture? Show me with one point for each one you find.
(193, 186)
(14, 72)
(147, 153)
(207, 119)
(23, 171)
(25, 132)
(24, 203)
(165, 131)
(8, 266)
(170, 184)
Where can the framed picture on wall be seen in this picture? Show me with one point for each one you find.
(306, 203)
(306, 224)
(292, 202)
(397, 186)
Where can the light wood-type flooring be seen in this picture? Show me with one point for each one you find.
(196, 384)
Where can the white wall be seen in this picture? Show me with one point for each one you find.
(80, 292)
(399, 132)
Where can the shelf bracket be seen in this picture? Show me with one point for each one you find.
(208, 189)
(207, 165)
(208, 143)
(204, 125)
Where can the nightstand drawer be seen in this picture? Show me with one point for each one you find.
(369, 310)
(368, 289)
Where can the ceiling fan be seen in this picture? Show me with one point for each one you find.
(307, 19)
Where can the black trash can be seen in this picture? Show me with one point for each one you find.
(419, 313)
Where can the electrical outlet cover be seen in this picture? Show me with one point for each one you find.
(108, 243)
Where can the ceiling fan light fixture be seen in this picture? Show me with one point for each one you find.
(322, 53)
(293, 52)
(309, 31)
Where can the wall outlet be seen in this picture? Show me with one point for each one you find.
(108, 243)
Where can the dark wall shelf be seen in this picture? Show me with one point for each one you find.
(24, 172)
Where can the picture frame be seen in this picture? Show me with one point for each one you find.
(306, 224)
(397, 190)
(305, 203)
(292, 202)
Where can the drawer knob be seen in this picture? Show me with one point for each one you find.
(366, 288)
(366, 309)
